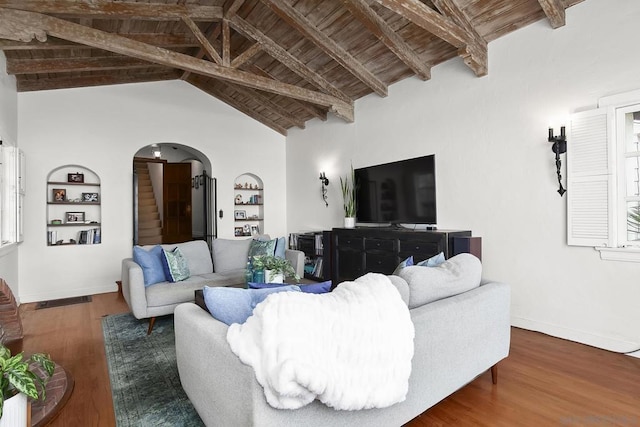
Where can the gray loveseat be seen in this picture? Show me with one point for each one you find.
(225, 269)
(457, 338)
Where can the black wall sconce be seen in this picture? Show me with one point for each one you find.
(325, 181)
(559, 147)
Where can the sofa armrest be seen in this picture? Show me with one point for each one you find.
(133, 288)
(296, 258)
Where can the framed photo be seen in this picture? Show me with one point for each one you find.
(240, 214)
(90, 197)
(255, 229)
(246, 229)
(75, 177)
(59, 195)
(75, 217)
(237, 231)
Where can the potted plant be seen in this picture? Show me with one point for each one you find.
(349, 199)
(18, 381)
(275, 268)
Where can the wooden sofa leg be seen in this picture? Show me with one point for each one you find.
(494, 374)
(152, 322)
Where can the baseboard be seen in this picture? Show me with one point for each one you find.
(594, 340)
(67, 293)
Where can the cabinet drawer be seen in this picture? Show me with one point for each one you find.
(419, 248)
(349, 242)
(381, 263)
(387, 245)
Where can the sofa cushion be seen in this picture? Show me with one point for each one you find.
(406, 263)
(151, 263)
(233, 305)
(311, 288)
(402, 287)
(454, 276)
(175, 265)
(229, 255)
(197, 255)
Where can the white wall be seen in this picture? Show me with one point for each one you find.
(102, 128)
(495, 168)
(9, 136)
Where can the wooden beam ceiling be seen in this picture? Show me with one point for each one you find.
(554, 11)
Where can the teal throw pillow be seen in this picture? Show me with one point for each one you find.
(175, 265)
(235, 305)
(406, 263)
(151, 263)
(434, 261)
(262, 247)
(312, 288)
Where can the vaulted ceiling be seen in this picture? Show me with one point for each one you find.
(281, 62)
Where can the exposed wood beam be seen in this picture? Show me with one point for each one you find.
(117, 10)
(212, 33)
(204, 42)
(225, 97)
(295, 19)
(231, 7)
(65, 65)
(86, 81)
(378, 27)
(474, 54)
(162, 40)
(554, 11)
(40, 25)
(226, 44)
(423, 16)
(288, 60)
(270, 105)
(249, 53)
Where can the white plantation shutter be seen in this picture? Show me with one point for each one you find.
(590, 179)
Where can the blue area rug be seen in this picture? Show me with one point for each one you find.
(145, 385)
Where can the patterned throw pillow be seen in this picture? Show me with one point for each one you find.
(175, 265)
(262, 247)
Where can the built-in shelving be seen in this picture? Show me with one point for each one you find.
(248, 205)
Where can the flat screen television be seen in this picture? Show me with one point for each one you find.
(397, 192)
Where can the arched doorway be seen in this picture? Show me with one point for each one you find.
(174, 195)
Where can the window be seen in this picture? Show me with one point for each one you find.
(603, 170)
(11, 194)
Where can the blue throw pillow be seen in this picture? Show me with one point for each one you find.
(434, 261)
(406, 263)
(175, 265)
(235, 305)
(151, 263)
(313, 288)
(280, 247)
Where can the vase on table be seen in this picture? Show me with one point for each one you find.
(271, 277)
(15, 411)
(349, 222)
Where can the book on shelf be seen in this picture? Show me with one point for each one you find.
(89, 237)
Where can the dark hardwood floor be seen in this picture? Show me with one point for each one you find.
(544, 382)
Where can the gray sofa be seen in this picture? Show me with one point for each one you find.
(457, 338)
(225, 269)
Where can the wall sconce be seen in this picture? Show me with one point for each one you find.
(559, 147)
(155, 151)
(325, 181)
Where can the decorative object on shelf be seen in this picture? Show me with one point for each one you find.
(349, 199)
(75, 177)
(559, 147)
(75, 217)
(237, 231)
(238, 200)
(255, 230)
(240, 214)
(89, 197)
(246, 229)
(324, 182)
(19, 378)
(59, 195)
(56, 221)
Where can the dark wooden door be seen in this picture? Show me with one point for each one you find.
(177, 203)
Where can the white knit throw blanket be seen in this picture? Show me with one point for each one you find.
(350, 348)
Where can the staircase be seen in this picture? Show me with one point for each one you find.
(149, 224)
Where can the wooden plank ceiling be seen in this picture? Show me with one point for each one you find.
(281, 62)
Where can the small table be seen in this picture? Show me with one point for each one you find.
(58, 390)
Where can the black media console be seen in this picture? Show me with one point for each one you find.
(357, 251)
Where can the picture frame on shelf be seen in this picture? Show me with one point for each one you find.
(237, 231)
(90, 197)
(74, 217)
(238, 214)
(246, 229)
(59, 195)
(255, 229)
(238, 199)
(77, 178)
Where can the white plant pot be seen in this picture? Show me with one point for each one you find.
(349, 222)
(268, 278)
(14, 411)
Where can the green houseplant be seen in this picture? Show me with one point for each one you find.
(275, 265)
(348, 186)
(17, 377)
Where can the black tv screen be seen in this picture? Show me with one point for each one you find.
(397, 192)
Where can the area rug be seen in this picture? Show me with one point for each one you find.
(144, 378)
